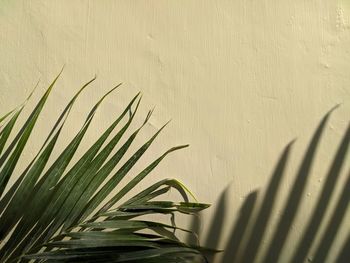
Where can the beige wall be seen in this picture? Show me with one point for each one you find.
(240, 79)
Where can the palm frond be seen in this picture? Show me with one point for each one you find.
(64, 215)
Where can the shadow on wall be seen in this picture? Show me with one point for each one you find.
(246, 252)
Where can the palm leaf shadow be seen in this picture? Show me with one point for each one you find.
(216, 229)
(295, 198)
(240, 227)
(238, 251)
(344, 254)
(266, 208)
(334, 224)
(323, 201)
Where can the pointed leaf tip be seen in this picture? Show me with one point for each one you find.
(331, 110)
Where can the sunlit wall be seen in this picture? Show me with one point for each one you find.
(239, 79)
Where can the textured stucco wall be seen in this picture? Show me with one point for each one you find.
(240, 79)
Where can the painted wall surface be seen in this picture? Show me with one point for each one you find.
(239, 79)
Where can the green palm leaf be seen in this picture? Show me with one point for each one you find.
(60, 215)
